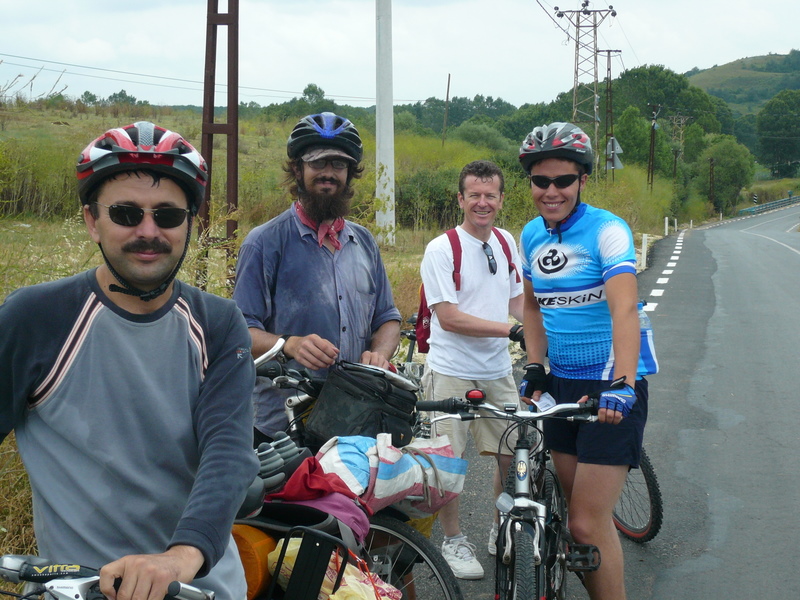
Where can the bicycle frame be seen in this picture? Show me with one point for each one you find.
(522, 507)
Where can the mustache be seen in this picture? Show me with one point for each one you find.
(157, 246)
(324, 179)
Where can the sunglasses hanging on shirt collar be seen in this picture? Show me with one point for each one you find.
(487, 250)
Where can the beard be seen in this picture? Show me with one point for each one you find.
(322, 207)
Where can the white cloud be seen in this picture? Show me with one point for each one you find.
(503, 48)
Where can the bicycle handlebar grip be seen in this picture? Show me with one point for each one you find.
(430, 405)
(448, 405)
(182, 591)
(271, 369)
(592, 405)
(16, 568)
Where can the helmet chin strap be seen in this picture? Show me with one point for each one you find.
(572, 212)
(127, 288)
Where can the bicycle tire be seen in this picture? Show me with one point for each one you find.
(409, 561)
(517, 580)
(639, 514)
(525, 578)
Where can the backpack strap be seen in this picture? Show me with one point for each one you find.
(507, 251)
(455, 243)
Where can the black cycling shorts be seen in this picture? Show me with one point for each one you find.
(596, 443)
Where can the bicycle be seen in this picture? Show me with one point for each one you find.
(534, 547)
(639, 514)
(398, 553)
(58, 581)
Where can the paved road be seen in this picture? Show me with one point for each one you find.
(722, 434)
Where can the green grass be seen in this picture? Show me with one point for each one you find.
(743, 88)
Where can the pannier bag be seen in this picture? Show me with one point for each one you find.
(361, 400)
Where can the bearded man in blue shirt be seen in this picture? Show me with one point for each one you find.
(311, 277)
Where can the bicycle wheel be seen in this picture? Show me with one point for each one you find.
(517, 580)
(638, 514)
(405, 558)
(555, 542)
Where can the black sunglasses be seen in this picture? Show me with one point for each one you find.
(130, 216)
(561, 182)
(487, 250)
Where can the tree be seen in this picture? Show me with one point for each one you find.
(313, 94)
(88, 98)
(121, 97)
(778, 126)
(633, 134)
(733, 166)
(744, 128)
(654, 84)
(520, 123)
(694, 143)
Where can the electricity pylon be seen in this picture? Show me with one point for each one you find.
(585, 100)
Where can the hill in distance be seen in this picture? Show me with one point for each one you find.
(746, 84)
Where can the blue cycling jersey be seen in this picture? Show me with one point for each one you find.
(568, 268)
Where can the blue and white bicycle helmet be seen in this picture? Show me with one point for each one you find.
(327, 130)
(557, 140)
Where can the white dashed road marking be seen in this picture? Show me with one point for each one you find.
(674, 258)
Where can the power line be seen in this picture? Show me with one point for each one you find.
(221, 87)
(625, 35)
(557, 24)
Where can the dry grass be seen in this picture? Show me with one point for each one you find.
(16, 520)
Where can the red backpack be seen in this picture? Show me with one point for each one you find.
(423, 325)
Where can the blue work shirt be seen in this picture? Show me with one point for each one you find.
(286, 283)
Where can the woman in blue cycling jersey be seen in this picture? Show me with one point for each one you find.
(581, 313)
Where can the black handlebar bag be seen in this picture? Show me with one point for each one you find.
(359, 399)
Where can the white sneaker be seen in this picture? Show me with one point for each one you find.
(460, 555)
(492, 546)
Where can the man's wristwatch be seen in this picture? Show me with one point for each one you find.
(282, 357)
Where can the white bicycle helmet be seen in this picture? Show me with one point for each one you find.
(557, 140)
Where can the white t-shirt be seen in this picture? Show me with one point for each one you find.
(482, 294)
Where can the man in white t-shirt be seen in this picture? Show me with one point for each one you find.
(469, 336)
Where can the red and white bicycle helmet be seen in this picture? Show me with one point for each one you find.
(143, 145)
(325, 129)
(557, 140)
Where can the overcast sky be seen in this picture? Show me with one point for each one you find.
(512, 49)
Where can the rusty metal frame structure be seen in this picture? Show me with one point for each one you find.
(230, 129)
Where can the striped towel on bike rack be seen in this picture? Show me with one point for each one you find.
(418, 479)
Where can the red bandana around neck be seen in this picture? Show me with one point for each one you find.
(324, 230)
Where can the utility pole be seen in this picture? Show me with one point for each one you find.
(611, 142)
(584, 90)
(230, 129)
(446, 109)
(712, 196)
(384, 124)
(651, 159)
